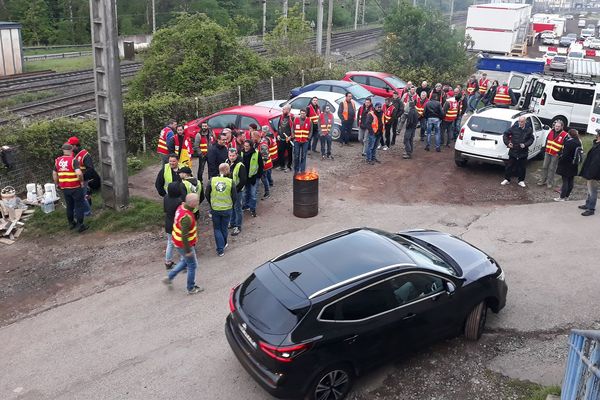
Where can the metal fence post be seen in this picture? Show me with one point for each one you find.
(302, 77)
(272, 90)
(143, 134)
(239, 95)
(197, 112)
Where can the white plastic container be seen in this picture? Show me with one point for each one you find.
(31, 192)
(50, 188)
(48, 202)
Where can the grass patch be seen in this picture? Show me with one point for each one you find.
(25, 98)
(141, 215)
(60, 64)
(58, 50)
(533, 391)
(140, 161)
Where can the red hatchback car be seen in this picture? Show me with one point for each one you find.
(240, 116)
(379, 83)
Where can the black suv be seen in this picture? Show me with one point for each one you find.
(306, 323)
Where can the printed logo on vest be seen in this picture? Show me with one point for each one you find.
(63, 165)
(220, 187)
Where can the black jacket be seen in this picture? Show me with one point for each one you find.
(516, 136)
(412, 118)
(170, 204)
(398, 108)
(565, 166)
(363, 117)
(423, 89)
(246, 160)
(159, 184)
(217, 154)
(590, 169)
(243, 175)
(433, 109)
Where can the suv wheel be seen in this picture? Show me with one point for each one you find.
(476, 321)
(336, 133)
(461, 163)
(333, 383)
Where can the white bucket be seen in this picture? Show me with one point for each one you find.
(50, 192)
(31, 192)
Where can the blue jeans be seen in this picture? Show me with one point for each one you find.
(371, 147)
(250, 196)
(190, 262)
(592, 194)
(300, 151)
(220, 221)
(433, 123)
(325, 145)
(169, 250)
(267, 180)
(346, 131)
(237, 214)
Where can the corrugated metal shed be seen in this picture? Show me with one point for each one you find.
(11, 49)
(584, 68)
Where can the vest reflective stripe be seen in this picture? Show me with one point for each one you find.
(345, 108)
(267, 165)
(470, 88)
(189, 187)
(301, 129)
(220, 195)
(326, 122)
(483, 85)
(375, 123)
(253, 164)
(387, 113)
(167, 175)
(420, 106)
(452, 112)
(502, 96)
(273, 149)
(555, 143)
(67, 177)
(162, 141)
(203, 144)
(236, 173)
(181, 213)
(313, 114)
(80, 156)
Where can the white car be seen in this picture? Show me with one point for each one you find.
(549, 56)
(594, 43)
(480, 139)
(333, 100)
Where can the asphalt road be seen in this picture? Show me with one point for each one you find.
(142, 341)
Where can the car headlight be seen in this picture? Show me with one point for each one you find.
(501, 276)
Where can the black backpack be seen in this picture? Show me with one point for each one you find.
(578, 156)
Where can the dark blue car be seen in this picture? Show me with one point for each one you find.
(359, 93)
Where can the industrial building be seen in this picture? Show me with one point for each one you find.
(11, 49)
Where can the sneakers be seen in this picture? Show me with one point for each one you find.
(82, 228)
(245, 208)
(583, 207)
(505, 182)
(220, 254)
(385, 148)
(196, 289)
(266, 195)
(559, 199)
(281, 168)
(587, 213)
(253, 213)
(522, 184)
(226, 245)
(378, 146)
(541, 183)
(236, 231)
(406, 156)
(169, 265)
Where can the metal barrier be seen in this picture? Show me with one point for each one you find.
(582, 375)
(58, 55)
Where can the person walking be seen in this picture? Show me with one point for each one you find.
(554, 145)
(175, 143)
(313, 111)
(217, 154)
(167, 174)
(202, 140)
(388, 116)
(490, 94)
(433, 116)
(171, 203)
(347, 113)
(221, 196)
(372, 138)
(483, 84)
(590, 171)
(68, 177)
(325, 126)
(420, 107)
(410, 94)
(301, 133)
(518, 138)
(237, 172)
(412, 119)
(396, 114)
(380, 125)
(285, 131)
(165, 135)
(189, 184)
(254, 165)
(364, 125)
(184, 236)
(449, 122)
(461, 99)
(472, 94)
(568, 163)
(266, 177)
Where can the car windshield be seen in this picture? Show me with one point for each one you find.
(572, 36)
(576, 54)
(559, 59)
(359, 92)
(396, 82)
(493, 126)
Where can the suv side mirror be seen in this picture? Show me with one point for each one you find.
(546, 127)
(450, 288)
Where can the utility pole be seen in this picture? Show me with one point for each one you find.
(364, 6)
(153, 16)
(329, 28)
(112, 143)
(319, 26)
(451, 10)
(414, 3)
(264, 17)
(303, 6)
(285, 8)
(356, 16)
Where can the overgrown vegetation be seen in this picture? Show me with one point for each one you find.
(25, 98)
(289, 36)
(60, 64)
(533, 391)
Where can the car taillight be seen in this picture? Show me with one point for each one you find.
(285, 353)
(461, 134)
(232, 298)
(543, 100)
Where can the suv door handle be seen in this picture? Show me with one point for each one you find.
(409, 316)
(351, 339)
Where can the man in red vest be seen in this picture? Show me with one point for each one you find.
(504, 96)
(347, 113)
(300, 134)
(91, 178)
(554, 144)
(203, 139)
(472, 94)
(388, 115)
(484, 84)
(313, 111)
(68, 177)
(165, 135)
(448, 122)
(325, 127)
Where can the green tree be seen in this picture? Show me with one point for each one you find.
(37, 27)
(420, 44)
(194, 55)
(289, 36)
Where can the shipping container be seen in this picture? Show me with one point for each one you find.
(509, 64)
(11, 49)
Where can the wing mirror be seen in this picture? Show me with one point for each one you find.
(450, 288)
(546, 127)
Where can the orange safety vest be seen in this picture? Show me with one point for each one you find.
(555, 142)
(387, 113)
(301, 130)
(313, 113)
(162, 141)
(345, 109)
(181, 213)
(502, 96)
(483, 85)
(420, 106)
(79, 157)
(65, 168)
(326, 122)
(452, 112)
(273, 149)
(471, 88)
(375, 123)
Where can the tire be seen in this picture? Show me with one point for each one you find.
(342, 377)
(476, 321)
(336, 133)
(461, 163)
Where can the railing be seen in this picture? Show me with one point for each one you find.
(582, 375)
(58, 55)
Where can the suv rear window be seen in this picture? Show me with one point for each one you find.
(488, 125)
(264, 310)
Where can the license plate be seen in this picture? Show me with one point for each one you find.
(484, 144)
(246, 336)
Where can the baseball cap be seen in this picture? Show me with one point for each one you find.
(377, 105)
(73, 140)
(185, 170)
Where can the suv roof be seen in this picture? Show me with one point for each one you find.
(333, 82)
(501, 113)
(328, 261)
(369, 73)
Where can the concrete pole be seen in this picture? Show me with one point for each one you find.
(285, 8)
(303, 7)
(356, 16)
(364, 6)
(264, 17)
(319, 26)
(451, 10)
(153, 16)
(414, 3)
(329, 28)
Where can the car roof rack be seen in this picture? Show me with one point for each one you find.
(482, 109)
(570, 78)
(520, 113)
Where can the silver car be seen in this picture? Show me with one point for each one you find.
(558, 63)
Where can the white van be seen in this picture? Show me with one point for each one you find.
(594, 120)
(568, 100)
(581, 23)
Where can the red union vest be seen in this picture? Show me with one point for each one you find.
(502, 96)
(268, 163)
(387, 113)
(409, 97)
(420, 106)
(67, 178)
(301, 130)
(204, 144)
(483, 85)
(273, 149)
(176, 234)
(452, 112)
(79, 157)
(162, 141)
(313, 114)
(471, 88)
(555, 142)
(326, 122)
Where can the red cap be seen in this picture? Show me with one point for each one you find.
(73, 140)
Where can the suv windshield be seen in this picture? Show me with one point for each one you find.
(359, 92)
(397, 82)
(488, 125)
